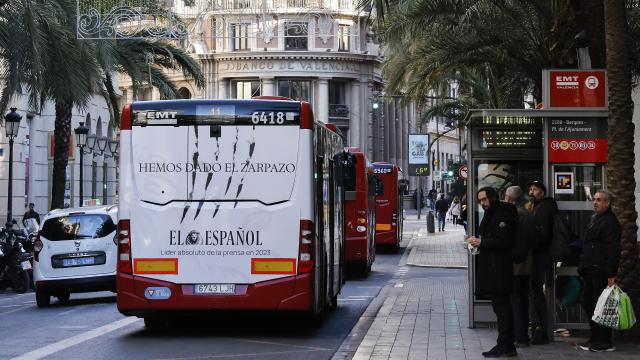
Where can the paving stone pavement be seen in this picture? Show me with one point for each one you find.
(440, 249)
(422, 313)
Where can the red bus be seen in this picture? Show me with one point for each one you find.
(389, 204)
(228, 205)
(359, 213)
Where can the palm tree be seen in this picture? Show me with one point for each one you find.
(51, 64)
(620, 156)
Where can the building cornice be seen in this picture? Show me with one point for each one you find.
(289, 56)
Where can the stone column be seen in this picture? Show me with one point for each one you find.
(393, 133)
(405, 137)
(356, 123)
(268, 87)
(387, 136)
(223, 85)
(323, 100)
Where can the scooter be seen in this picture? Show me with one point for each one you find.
(14, 262)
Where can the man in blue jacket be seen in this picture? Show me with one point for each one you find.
(599, 266)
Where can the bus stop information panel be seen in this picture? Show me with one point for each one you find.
(564, 148)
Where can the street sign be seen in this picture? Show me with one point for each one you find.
(463, 172)
(437, 175)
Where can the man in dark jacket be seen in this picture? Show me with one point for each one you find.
(495, 265)
(599, 266)
(441, 211)
(545, 208)
(31, 214)
(522, 258)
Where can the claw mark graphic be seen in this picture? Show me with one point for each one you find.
(252, 147)
(216, 212)
(209, 177)
(233, 161)
(193, 176)
(184, 212)
(217, 154)
(198, 210)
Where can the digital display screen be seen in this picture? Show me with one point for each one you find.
(491, 139)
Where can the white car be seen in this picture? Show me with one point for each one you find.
(75, 252)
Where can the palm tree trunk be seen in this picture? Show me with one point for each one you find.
(621, 160)
(62, 136)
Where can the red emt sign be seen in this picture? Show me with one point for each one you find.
(576, 89)
(577, 140)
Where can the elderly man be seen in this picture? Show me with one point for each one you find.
(544, 211)
(522, 258)
(495, 265)
(599, 266)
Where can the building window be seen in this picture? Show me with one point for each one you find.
(343, 37)
(295, 36)
(240, 37)
(337, 100)
(299, 90)
(184, 93)
(245, 89)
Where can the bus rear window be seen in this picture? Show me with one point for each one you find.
(74, 227)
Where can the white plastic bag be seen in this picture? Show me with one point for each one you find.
(606, 312)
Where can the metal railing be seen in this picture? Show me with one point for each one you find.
(338, 111)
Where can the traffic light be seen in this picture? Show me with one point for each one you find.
(450, 173)
(375, 105)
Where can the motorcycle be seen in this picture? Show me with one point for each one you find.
(15, 262)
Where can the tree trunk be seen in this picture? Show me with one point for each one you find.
(620, 157)
(62, 137)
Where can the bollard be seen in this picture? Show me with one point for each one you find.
(431, 228)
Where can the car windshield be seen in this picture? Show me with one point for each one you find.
(73, 227)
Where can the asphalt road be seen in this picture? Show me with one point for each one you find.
(90, 327)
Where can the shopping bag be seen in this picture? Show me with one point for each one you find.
(606, 312)
(614, 309)
(627, 317)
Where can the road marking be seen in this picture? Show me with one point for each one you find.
(16, 296)
(8, 306)
(243, 355)
(75, 340)
(15, 310)
(398, 285)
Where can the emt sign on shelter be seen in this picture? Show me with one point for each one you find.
(570, 89)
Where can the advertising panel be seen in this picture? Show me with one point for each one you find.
(418, 154)
(577, 140)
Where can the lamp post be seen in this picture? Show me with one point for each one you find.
(12, 125)
(81, 141)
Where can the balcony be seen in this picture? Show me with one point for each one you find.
(338, 111)
(280, 5)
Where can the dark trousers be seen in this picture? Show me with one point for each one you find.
(541, 265)
(520, 306)
(594, 283)
(501, 304)
(442, 216)
(455, 219)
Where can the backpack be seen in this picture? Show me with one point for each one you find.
(562, 236)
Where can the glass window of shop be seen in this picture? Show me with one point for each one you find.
(295, 36)
(239, 37)
(343, 37)
(245, 89)
(299, 90)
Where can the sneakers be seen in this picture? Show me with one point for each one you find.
(539, 335)
(602, 348)
(496, 352)
(585, 345)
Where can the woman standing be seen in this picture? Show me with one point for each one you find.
(454, 210)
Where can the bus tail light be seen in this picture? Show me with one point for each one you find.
(394, 218)
(124, 247)
(37, 247)
(125, 118)
(306, 254)
(306, 116)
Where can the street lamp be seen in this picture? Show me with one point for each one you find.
(102, 144)
(81, 141)
(12, 125)
(113, 148)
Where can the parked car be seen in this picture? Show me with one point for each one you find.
(75, 252)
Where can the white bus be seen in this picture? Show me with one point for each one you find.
(230, 205)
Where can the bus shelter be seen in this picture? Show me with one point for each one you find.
(564, 148)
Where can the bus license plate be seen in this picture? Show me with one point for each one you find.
(207, 289)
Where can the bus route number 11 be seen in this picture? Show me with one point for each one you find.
(268, 118)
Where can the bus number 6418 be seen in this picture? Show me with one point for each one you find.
(271, 118)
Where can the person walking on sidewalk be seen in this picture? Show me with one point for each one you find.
(495, 265)
(441, 211)
(522, 262)
(454, 210)
(599, 266)
(544, 209)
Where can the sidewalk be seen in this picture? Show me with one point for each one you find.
(423, 312)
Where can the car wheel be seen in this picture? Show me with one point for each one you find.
(64, 297)
(42, 299)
